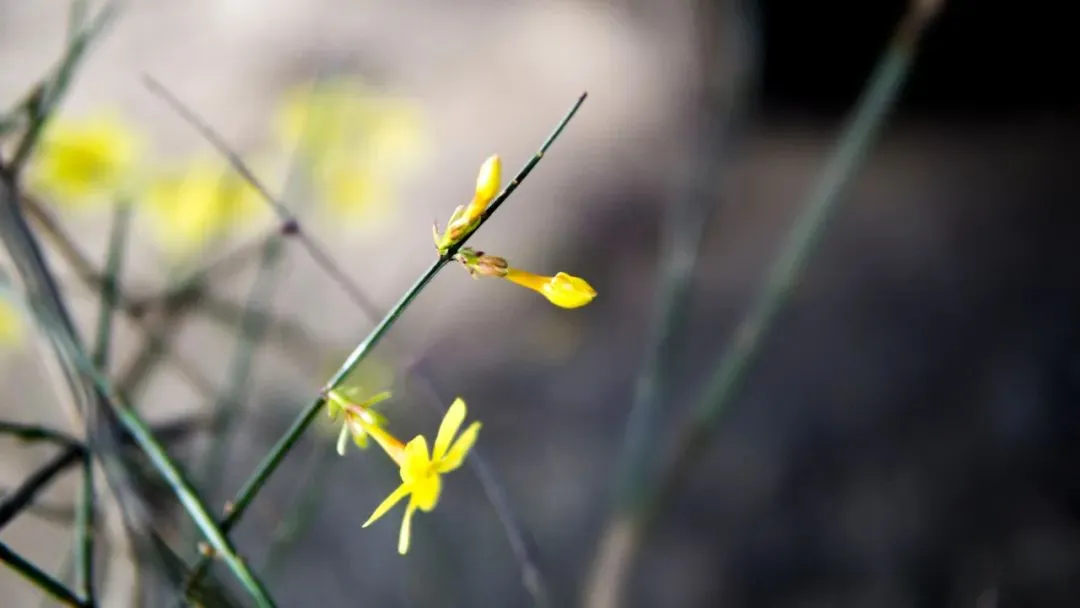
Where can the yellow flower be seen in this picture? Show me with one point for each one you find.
(198, 203)
(465, 218)
(11, 323)
(355, 141)
(563, 290)
(82, 162)
(421, 474)
(361, 420)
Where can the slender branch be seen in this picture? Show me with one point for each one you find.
(33, 432)
(39, 577)
(29, 489)
(84, 546)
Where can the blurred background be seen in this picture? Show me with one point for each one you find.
(908, 436)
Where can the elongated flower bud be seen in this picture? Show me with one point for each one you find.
(562, 290)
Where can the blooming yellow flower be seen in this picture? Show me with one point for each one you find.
(360, 419)
(465, 218)
(421, 474)
(355, 141)
(82, 162)
(563, 290)
(195, 204)
(11, 323)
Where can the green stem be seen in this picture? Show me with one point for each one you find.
(39, 577)
(84, 523)
(110, 293)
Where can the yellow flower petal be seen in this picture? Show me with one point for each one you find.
(451, 423)
(406, 528)
(459, 450)
(343, 436)
(401, 492)
(417, 463)
(426, 490)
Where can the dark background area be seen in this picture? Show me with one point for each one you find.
(981, 61)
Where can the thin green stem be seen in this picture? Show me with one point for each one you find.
(110, 285)
(280, 450)
(110, 293)
(85, 524)
(38, 577)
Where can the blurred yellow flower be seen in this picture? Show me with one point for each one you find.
(356, 141)
(349, 190)
(465, 218)
(562, 290)
(11, 323)
(195, 204)
(421, 474)
(82, 162)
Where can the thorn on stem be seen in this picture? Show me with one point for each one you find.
(229, 508)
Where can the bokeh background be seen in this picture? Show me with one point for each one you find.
(909, 436)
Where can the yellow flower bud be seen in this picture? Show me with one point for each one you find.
(465, 218)
(487, 186)
(562, 290)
